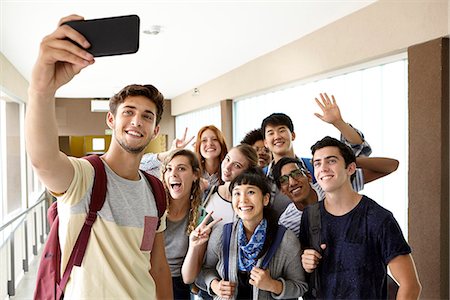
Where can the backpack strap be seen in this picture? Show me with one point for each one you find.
(48, 276)
(226, 237)
(97, 200)
(208, 193)
(314, 242)
(314, 226)
(159, 193)
(274, 246)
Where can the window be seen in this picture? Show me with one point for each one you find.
(98, 144)
(372, 98)
(196, 120)
(13, 159)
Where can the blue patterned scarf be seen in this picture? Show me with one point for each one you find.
(248, 252)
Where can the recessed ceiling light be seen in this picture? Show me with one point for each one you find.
(154, 30)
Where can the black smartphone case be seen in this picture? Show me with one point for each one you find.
(110, 36)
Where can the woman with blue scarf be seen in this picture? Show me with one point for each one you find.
(251, 236)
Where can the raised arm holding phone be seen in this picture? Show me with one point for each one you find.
(125, 257)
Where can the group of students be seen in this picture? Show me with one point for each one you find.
(259, 186)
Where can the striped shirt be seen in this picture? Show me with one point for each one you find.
(151, 164)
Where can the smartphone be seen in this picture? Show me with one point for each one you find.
(110, 36)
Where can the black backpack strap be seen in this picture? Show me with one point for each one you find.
(314, 226)
(97, 199)
(208, 193)
(226, 237)
(160, 194)
(314, 242)
(274, 246)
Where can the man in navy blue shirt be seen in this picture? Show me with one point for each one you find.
(359, 238)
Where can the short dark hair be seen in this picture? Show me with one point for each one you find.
(252, 137)
(146, 90)
(276, 171)
(252, 176)
(256, 177)
(277, 119)
(346, 151)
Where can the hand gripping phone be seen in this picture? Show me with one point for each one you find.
(110, 36)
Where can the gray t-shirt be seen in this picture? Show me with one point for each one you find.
(176, 243)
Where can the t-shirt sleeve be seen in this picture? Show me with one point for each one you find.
(363, 149)
(392, 240)
(82, 181)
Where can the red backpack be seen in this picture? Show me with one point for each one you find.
(49, 283)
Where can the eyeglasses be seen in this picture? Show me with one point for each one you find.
(295, 174)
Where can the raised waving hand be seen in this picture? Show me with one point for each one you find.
(331, 114)
(330, 110)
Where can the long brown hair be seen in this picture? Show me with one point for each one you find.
(196, 193)
(223, 148)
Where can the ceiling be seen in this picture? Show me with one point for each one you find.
(199, 40)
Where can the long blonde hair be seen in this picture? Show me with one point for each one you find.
(196, 192)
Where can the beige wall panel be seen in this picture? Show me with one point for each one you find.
(428, 178)
(12, 81)
(75, 118)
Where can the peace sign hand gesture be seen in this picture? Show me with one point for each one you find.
(200, 234)
(181, 143)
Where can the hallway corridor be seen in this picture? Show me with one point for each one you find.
(25, 289)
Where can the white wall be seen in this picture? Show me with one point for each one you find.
(384, 28)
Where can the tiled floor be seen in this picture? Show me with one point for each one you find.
(25, 289)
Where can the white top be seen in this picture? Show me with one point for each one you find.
(220, 206)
